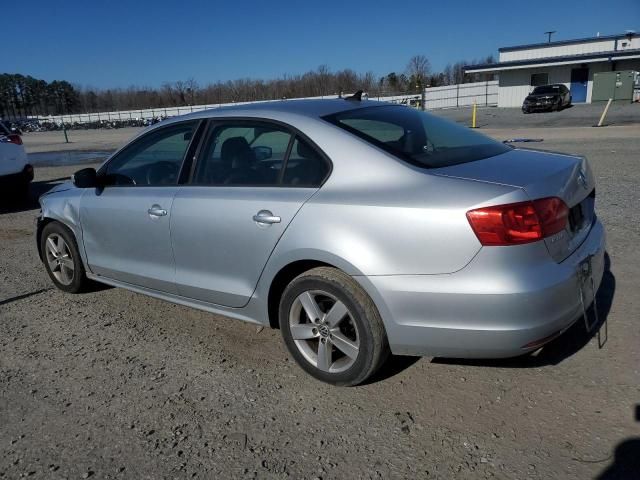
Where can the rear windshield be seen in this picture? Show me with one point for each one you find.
(547, 89)
(417, 137)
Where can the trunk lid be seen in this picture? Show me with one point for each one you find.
(540, 175)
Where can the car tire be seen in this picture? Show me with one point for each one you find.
(526, 111)
(346, 343)
(61, 258)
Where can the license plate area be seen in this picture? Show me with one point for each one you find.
(587, 292)
(576, 218)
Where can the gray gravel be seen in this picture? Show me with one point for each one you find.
(111, 384)
(579, 115)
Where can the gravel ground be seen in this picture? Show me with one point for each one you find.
(82, 140)
(585, 115)
(111, 384)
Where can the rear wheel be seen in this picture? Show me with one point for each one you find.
(332, 327)
(62, 259)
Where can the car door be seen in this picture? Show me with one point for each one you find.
(125, 224)
(249, 181)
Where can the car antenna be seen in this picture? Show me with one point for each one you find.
(356, 96)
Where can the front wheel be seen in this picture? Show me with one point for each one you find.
(332, 327)
(62, 259)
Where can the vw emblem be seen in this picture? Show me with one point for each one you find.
(323, 330)
(582, 179)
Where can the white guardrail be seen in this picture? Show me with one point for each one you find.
(449, 96)
(462, 95)
(174, 111)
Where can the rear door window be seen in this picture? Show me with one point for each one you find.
(305, 166)
(258, 153)
(243, 153)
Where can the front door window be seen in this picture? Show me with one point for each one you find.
(153, 160)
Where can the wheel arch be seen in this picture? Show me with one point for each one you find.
(43, 222)
(280, 281)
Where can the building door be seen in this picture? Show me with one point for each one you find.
(579, 81)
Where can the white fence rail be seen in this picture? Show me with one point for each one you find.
(482, 93)
(174, 111)
(462, 95)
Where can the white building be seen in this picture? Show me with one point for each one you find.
(571, 62)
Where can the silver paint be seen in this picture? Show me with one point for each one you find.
(400, 231)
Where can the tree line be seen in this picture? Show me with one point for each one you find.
(24, 95)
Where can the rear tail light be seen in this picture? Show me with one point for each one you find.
(518, 223)
(12, 138)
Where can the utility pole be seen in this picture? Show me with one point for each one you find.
(548, 34)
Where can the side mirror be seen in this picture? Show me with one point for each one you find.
(262, 153)
(85, 178)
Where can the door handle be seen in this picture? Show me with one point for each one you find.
(265, 217)
(156, 211)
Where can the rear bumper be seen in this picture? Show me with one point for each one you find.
(490, 309)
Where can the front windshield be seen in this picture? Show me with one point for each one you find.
(417, 137)
(546, 89)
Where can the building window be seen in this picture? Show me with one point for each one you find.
(538, 79)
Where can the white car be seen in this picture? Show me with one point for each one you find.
(15, 171)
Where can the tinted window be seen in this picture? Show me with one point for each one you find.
(547, 89)
(154, 159)
(305, 166)
(243, 154)
(418, 137)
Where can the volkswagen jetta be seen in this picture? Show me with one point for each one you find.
(357, 228)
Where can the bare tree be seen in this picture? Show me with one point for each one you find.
(417, 70)
(24, 95)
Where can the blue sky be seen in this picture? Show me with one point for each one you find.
(136, 42)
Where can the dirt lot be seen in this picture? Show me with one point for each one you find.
(580, 115)
(111, 384)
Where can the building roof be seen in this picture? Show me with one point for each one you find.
(574, 41)
(608, 56)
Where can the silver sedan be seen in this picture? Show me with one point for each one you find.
(357, 228)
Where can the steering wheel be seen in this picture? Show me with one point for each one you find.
(119, 179)
(161, 173)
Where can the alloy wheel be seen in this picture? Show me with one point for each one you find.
(59, 259)
(324, 332)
